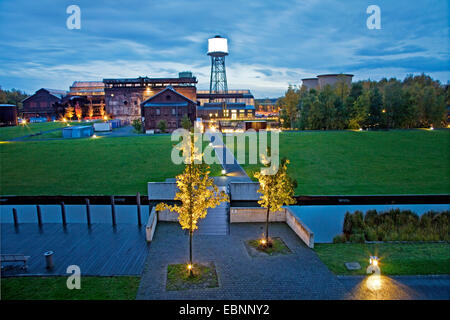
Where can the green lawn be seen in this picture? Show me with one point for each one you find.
(7, 133)
(395, 258)
(47, 135)
(349, 162)
(345, 162)
(120, 166)
(54, 288)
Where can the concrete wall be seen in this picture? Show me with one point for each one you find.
(151, 225)
(244, 191)
(161, 190)
(245, 214)
(299, 228)
(167, 216)
(256, 214)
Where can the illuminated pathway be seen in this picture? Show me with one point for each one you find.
(222, 153)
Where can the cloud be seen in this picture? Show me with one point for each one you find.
(272, 43)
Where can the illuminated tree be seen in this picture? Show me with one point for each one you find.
(78, 112)
(90, 110)
(102, 110)
(276, 191)
(69, 112)
(197, 192)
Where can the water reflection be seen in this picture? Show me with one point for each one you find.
(326, 221)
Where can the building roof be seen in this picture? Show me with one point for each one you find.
(335, 75)
(148, 80)
(83, 84)
(167, 104)
(229, 95)
(228, 105)
(147, 102)
(55, 92)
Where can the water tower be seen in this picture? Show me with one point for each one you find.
(218, 49)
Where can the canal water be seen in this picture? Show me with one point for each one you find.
(74, 214)
(326, 221)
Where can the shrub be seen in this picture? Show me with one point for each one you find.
(186, 123)
(371, 234)
(357, 238)
(371, 218)
(340, 239)
(396, 225)
(162, 125)
(137, 125)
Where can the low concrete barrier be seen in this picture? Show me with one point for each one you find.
(151, 225)
(245, 214)
(102, 126)
(162, 190)
(257, 214)
(244, 191)
(168, 216)
(299, 228)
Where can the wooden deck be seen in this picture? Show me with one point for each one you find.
(100, 250)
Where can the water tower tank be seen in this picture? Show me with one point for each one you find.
(217, 46)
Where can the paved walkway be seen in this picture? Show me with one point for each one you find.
(224, 155)
(300, 275)
(397, 287)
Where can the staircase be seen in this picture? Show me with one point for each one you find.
(216, 222)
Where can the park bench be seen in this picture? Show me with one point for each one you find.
(18, 257)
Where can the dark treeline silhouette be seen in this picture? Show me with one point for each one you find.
(415, 102)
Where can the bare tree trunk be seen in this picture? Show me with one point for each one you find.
(190, 247)
(267, 226)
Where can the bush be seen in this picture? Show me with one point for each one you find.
(357, 238)
(137, 125)
(162, 125)
(396, 225)
(186, 123)
(340, 239)
(353, 223)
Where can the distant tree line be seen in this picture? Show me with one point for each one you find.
(12, 96)
(417, 101)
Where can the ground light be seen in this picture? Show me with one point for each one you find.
(190, 267)
(374, 265)
(431, 128)
(263, 242)
(23, 121)
(224, 172)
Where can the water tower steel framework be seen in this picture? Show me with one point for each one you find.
(218, 50)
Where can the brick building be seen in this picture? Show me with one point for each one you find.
(123, 97)
(168, 105)
(42, 104)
